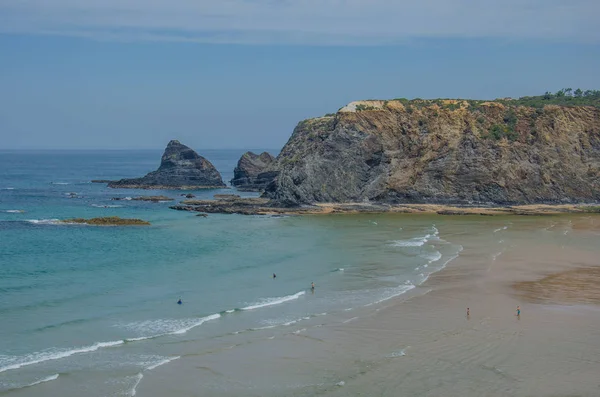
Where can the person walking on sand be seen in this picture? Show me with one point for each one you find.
(468, 312)
(518, 311)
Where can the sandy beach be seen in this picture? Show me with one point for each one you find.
(552, 349)
(423, 344)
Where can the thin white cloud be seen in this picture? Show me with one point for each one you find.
(344, 22)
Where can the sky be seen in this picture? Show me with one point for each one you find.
(134, 74)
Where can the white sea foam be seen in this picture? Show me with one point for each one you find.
(399, 353)
(138, 379)
(163, 327)
(413, 242)
(349, 320)
(500, 229)
(433, 256)
(13, 211)
(106, 206)
(394, 292)
(162, 362)
(195, 324)
(274, 301)
(59, 183)
(8, 188)
(295, 321)
(40, 357)
(44, 221)
(44, 380)
(265, 327)
(138, 339)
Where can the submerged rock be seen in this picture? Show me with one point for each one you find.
(154, 199)
(108, 221)
(180, 168)
(254, 171)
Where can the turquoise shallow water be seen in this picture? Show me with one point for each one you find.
(95, 305)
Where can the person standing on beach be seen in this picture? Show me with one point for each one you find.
(468, 313)
(518, 311)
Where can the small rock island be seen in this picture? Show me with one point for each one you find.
(180, 168)
(107, 221)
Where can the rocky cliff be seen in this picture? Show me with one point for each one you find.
(442, 151)
(180, 168)
(254, 171)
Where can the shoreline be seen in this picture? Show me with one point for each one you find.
(233, 204)
(492, 351)
(422, 342)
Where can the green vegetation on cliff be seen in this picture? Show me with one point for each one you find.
(564, 97)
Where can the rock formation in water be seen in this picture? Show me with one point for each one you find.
(254, 171)
(107, 221)
(442, 151)
(180, 168)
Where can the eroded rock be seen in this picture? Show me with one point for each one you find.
(254, 171)
(180, 168)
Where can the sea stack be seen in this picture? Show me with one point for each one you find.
(254, 171)
(180, 168)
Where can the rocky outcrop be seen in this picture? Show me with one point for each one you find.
(254, 171)
(180, 168)
(445, 151)
(107, 221)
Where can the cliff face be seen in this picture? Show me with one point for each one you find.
(180, 168)
(442, 152)
(254, 171)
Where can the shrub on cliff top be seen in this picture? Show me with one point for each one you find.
(361, 107)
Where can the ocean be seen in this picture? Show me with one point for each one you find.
(91, 310)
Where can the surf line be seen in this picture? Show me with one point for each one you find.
(37, 358)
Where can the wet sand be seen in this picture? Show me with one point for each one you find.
(423, 344)
(552, 349)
